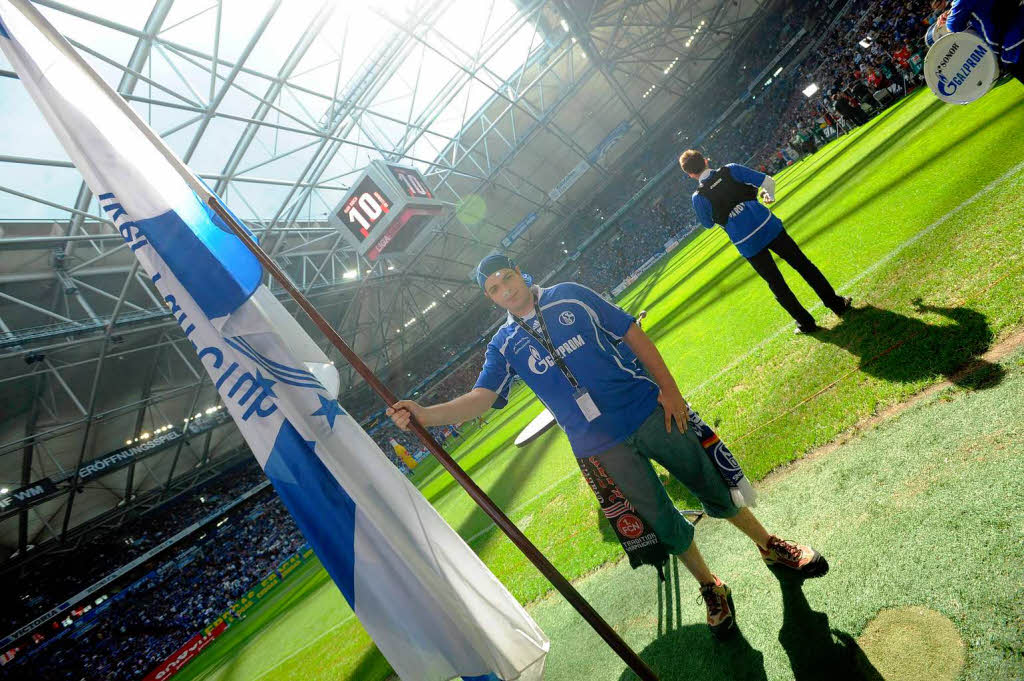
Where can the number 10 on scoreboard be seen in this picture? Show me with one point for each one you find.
(366, 208)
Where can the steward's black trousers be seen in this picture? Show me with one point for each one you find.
(784, 246)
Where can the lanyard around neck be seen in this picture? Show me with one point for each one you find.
(545, 340)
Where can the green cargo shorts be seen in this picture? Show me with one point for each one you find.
(629, 465)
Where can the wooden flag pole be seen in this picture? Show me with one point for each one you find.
(552, 574)
(500, 519)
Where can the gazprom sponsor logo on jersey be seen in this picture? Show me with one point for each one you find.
(540, 364)
(948, 85)
(211, 263)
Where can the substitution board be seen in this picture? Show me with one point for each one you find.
(388, 211)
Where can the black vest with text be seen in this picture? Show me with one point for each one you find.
(725, 193)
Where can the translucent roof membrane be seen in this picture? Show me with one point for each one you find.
(325, 114)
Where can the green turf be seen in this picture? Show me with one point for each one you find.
(922, 203)
(912, 513)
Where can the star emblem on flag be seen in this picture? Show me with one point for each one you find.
(265, 384)
(329, 409)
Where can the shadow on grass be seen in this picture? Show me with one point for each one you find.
(815, 650)
(868, 156)
(897, 348)
(372, 667)
(685, 652)
(513, 478)
(712, 291)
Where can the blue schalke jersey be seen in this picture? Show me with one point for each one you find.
(751, 225)
(585, 330)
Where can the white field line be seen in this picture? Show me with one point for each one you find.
(297, 650)
(788, 327)
(870, 269)
(845, 287)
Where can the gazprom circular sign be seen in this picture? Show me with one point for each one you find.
(960, 68)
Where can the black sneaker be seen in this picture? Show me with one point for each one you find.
(721, 613)
(799, 330)
(847, 306)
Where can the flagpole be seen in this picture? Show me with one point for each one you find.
(540, 561)
(534, 554)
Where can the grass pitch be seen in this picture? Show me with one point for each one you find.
(918, 215)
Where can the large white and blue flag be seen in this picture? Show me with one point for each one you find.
(432, 607)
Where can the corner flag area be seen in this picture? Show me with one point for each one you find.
(918, 216)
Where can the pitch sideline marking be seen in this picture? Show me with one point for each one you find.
(845, 287)
(872, 268)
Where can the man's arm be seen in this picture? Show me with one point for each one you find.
(702, 207)
(766, 183)
(462, 408)
(669, 397)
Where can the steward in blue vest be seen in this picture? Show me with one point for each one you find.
(609, 389)
(727, 196)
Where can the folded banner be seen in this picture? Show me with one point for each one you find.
(637, 537)
(740, 489)
(432, 607)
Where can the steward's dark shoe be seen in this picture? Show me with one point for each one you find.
(721, 613)
(800, 330)
(847, 306)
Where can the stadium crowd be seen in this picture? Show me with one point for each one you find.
(170, 599)
(868, 58)
(864, 63)
(52, 581)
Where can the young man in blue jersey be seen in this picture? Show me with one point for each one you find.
(727, 196)
(609, 389)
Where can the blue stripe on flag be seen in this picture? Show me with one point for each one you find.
(322, 509)
(3, 30)
(269, 363)
(287, 379)
(211, 263)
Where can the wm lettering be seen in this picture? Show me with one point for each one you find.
(22, 495)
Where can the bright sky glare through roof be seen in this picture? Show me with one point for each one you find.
(357, 32)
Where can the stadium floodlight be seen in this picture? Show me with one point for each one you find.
(777, 72)
(4, 490)
(810, 90)
(351, 274)
(565, 25)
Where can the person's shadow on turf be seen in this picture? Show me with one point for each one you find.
(815, 651)
(895, 347)
(687, 652)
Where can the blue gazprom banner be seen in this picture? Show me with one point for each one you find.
(581, 168)
(601, 150)
(519, 230)
(594, 157)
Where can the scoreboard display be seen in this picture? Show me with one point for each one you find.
(388, 211)
(364, 208)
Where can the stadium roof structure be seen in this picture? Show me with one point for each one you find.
(278, 106)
